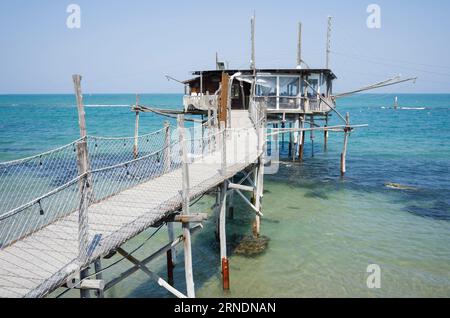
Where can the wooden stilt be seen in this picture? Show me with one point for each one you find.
(136, 131)
(217, 212)
(290, 141)
(312, 135)
(85, 185)
(161, 282)
(297, 139)
(170, 267)
(344, 152)
(276, 145)
(258, 196)
(99, 276)
(223, 237)
(185, 203)
(163, 250)
(84, 293)
(230, 203)
(171, 254)
(224, 147)
(325, 135)
(167, 151)
(302, 140)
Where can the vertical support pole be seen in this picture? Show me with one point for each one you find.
(258, 195)
(297, 139)
(223, 104)
(301, 151)
(136, 130)
(185, 204)
(290, 142)
(201, 83)
(224, 148)
(80, 105)
(167, 151)
(99, 276)
(325, 135)
(85, 186)
(209, 125)
(217, 212)
(252, 60)
(170, 267)
(299, 46)
(330, 19)
(344, 152)
(276, 141)
(223, 237)
(312, 135)
(172, 253)
(230, 202)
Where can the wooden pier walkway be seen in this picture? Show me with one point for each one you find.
(41, 261)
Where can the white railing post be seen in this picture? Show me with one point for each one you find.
(185, 210)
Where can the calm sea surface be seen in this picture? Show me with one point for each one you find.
(324, 230)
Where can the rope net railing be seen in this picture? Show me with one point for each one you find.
(55, 219)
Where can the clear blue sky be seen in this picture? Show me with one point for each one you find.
(128, 46)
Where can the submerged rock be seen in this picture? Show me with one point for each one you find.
(251, 246)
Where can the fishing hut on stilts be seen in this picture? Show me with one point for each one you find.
(109, 190)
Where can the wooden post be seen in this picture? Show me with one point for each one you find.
(290, 142)
(230, 207)
(171, 254)
(302, 140)
(297, 140)
(85, 185)
(257, 195)
(209, 129)
(311, 134)
(224, 147)
(325, 135)
(136, 131)
(223, 237)
(344, 152)
(185, 204)
(99, 276)
(217, 212)
(167, 151)
(223, 104)
(80, 106)
(276, 148)
(170, 267)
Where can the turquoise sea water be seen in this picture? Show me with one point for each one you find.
(324, 230)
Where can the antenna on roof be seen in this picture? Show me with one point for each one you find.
(299, 46)
(330, 21)
(252, 61)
